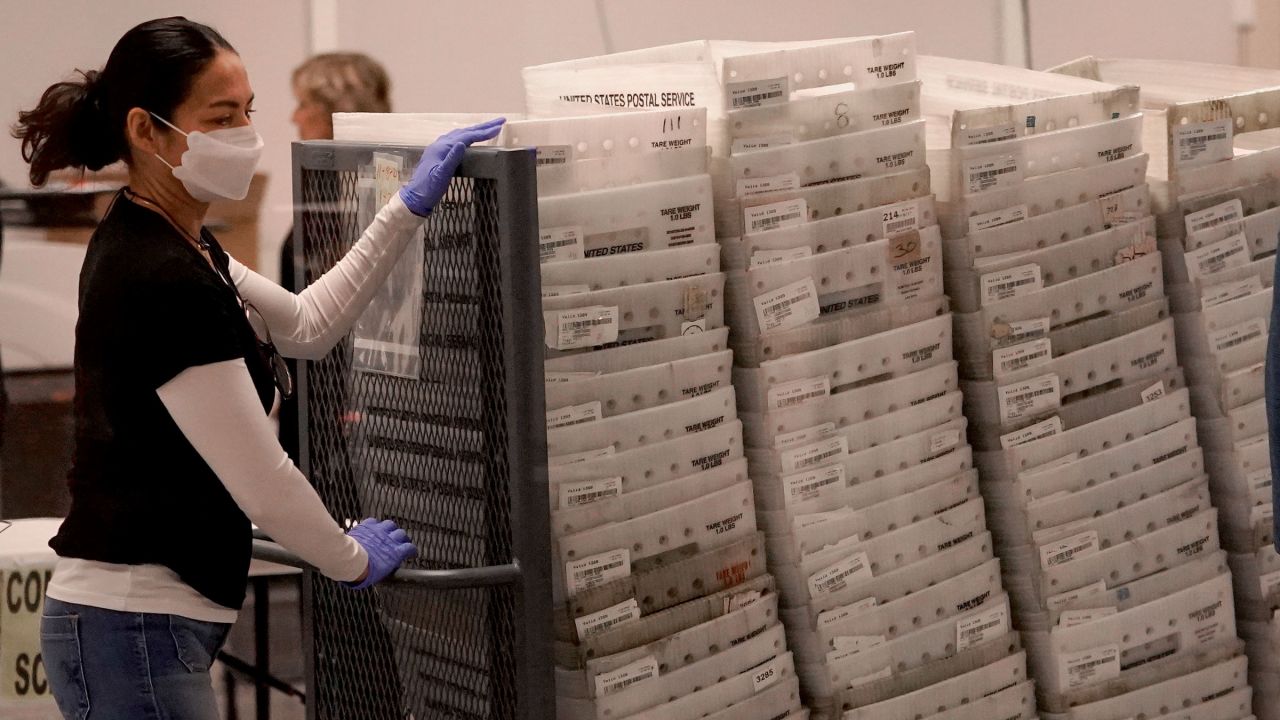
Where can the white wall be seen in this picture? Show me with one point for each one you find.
(1162, 29)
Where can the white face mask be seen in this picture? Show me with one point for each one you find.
(219, 164)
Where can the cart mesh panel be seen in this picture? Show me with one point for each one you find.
(429, 453)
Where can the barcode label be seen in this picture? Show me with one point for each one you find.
(1089, 667)
(1259, 483)
(1226, 292)
(1203, 143)
(840, 614)
(804, 436)
(553, 155)
(1231, 211)
(550, 291)
(760, 258)
(1066, 599)
(849, 645)
(1031, 433)
(1011, 283)
(1068, 549)
(757, 93)
(900, 218)
(983, 627)
(1230, 253)
(986, 135)
(573, 415)
(849, 571)
(644, 669)
(1153, 393)
(767, 674)
(1016, 358)
(577, 494)
(787, 307)
(1237, 335)
(597, 570)
(806, 486)
(748, 187)
(764, 142)
(1269, 582)
(996, 218)
(762, 218)
(823, 452)
(581, 457)
(1072, 618)
(559, 244)
(581, 327)
(943, 441)
(798, 392)
(558, 378)
(598, 623)
(991, 173)
(1018, 331)
(1029, 398)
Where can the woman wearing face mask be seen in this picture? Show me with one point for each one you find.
(175, 369)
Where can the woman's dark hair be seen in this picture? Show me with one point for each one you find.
(81, 123)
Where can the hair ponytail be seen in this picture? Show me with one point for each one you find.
(80, 123)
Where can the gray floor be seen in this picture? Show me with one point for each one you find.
(282, 706)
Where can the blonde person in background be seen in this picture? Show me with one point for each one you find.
(323, 85)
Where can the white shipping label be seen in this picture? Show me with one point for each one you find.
(1073, 548)
(808, 485)
(766, 674)
(1203, 143)
(645, 668)
(550, 291)
(1088, 667)
(943, 441)
(849, 645)
(1153, 393)
(787, 307)
(1015, 358)
(881, 674)
(1236, 335)
(386, 176)
(983, 627)
(996, 218)
(553, 155)
(1031, 433)
(601, 622)
(574, 415)
(597, 570)
(805, 436)
(823, 452)
(761, 258)
(577, 494)
(1011, 283)
(798, 392)
(841, 614)
(734, 603)
(992, 173)
(558, 244)
(581, 457)
(1229, 212)
(763, 142)
(1018, 331)
(985, 135)
(1230, 253)
(557, 378)
(1029, 398)
(900, 218)
(1226, 292)
(1269, 582)
(758, 93)
(850, 571)
(787, 213)
(765, 185)
(583, 327)
(1072, 618)
(1062, 600)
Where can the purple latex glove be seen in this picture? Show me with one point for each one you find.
(439, 161)
(387, 546)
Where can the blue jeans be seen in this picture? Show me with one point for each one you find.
(109, 665)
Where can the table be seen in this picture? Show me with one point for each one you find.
(260, 574)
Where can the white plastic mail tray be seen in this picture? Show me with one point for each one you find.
(834, 113)
(785, 428)
(653, 216)
(1256, 579)
(1170, 696)
(603, 362)
(1043, 114)
(955, 692)
(646, 387)
(1130, 522)
(1242, 423)
(869, 153)
(884, 355)
(566, 139)
(865, 61)
(819, 236)
(1233, 281)
(646, 466)
(613, 271)
(720, 696)
(886, 487)
(617, 171)
(639, 313)
(1260, 229)
(778, 700)
(1094, 605)
(645, 427)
